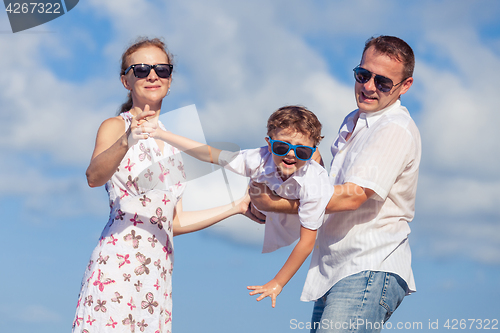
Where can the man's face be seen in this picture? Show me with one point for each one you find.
(368, 97)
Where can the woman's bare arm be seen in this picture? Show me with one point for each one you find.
(112, 143)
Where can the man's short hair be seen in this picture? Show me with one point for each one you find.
(395, 48)
(298, 118)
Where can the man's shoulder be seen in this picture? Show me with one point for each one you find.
(396, 122)
(398, 116)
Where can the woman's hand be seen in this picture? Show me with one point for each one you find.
(271, 289)
(142, 127)
(244, 206)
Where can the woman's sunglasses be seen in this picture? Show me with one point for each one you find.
(382, 83)
(142, 70)
(281, 148)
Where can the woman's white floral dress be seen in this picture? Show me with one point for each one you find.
(127, 286)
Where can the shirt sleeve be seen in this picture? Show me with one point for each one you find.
(233, 161)
(248, 162)
(381, 160)
(314, 197)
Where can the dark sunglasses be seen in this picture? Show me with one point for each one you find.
(382, 83)
(281, 148)
(142, 70)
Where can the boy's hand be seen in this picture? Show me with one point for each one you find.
(271, 289)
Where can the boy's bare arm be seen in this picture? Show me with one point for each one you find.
(299, 254)
(198, 150)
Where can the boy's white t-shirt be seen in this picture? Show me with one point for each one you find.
(310, 184)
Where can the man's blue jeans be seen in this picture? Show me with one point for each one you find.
(358, 303)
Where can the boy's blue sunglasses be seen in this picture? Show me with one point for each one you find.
(281, 148)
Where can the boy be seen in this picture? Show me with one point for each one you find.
(286, 166)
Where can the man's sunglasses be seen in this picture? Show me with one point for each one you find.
(382, 83)
(142, 70)
(281, 148)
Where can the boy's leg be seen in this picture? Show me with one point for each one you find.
(358, 303)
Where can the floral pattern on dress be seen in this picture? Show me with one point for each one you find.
(127, 285)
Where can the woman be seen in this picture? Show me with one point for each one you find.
(127, 283)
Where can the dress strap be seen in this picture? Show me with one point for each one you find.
(127, 116)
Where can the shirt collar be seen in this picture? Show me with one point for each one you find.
(372, 117)
(351, 121)
(270, 168)
(299, 175)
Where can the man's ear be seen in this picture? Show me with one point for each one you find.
(406, 85)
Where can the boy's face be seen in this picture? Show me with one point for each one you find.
(288, 163)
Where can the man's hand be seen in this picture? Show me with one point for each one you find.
(261, 197)
(261, 218)
(264, 200)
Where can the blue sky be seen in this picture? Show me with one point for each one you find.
(238, 62)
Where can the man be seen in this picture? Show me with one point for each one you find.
(361, 265)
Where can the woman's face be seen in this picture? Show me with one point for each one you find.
(152, 89)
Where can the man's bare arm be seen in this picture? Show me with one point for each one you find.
(346, 197)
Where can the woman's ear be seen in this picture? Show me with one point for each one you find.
(125, 82)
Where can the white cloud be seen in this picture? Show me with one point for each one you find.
(459, 116)
(43, 113)
(239, 62)
(49, 127)
(45, 196)
(458, 195)
(40, 314)
(33, 313)
(457, 205)
(440, 236)
(211, 191)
